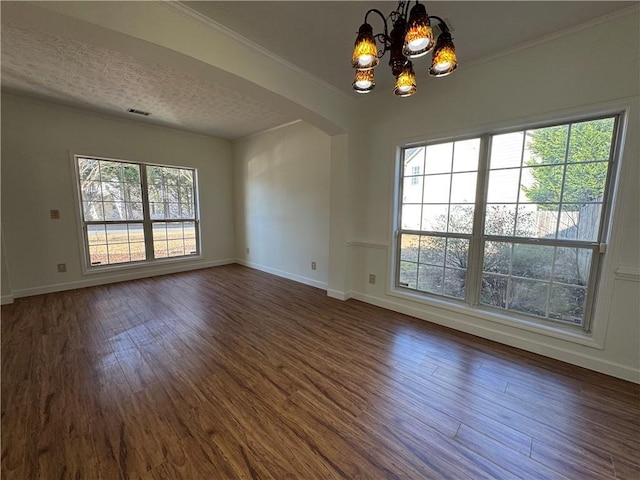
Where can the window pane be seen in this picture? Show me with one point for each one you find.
(591, 141)
(546, 145)
(88, 169)
(190, 246)
(134, 211)
(585, 182)
(457, 253)
(497, 257)
(454, 283)
(463, 187)
(93, 211)
(157, 211)
(117, 233)
(503, 186)
(136, 232)
(159, 231)
(567, 303)
(413, 157)
(173, 210)
(494, 290)
(532, 261)
(131, 174)
(580, 222)
(572, 265)
(114, 211)
(186, 193)
(466, 154)
(460, 219)
(171, 194)
(176, 247)
(430, 279)
(535, 222)
(533, 180)
(528, 297)
(91, 191)
(408, 274)
(500, 220)
(411, 217)
(412, 190)
(186, 211)
(133, 192)
(111, 171)
(138, 252)
(436, 188)
(98, 255)
(506, 150)
(409, 247)
(96, 235)
(175, 240)
(113, 192)
(434, 218)
(432, 250)
(439, 158)
(189, 229)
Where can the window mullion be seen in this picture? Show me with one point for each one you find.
(474, 271)
(146, 210)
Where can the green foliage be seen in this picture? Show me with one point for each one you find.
(584, 182)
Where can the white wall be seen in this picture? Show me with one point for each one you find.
(37, 141)
(564, 76)
(282, 185)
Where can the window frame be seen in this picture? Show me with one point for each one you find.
(471, 304)
(146, 222)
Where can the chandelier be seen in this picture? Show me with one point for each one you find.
(411, 37)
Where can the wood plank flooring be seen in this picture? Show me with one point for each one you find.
(231, 373)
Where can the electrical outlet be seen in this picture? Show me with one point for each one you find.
(62, 267)
(246, 250)
(372, 278)
(313, 265)
(55, 214)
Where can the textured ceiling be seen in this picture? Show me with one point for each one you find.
(82, 75)
(314, 36)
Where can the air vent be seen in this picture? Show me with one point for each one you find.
(138, 112)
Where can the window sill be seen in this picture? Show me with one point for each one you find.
(562, 332)
(159, 263)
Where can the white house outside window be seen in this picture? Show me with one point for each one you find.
(519, 229)
(135, 213)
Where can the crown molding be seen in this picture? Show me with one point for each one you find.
(625, 12)
(195, 16)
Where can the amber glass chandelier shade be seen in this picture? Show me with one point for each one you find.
(365, 52)
(418, 40)
(444, 59)
(406, 82)
(364, 81)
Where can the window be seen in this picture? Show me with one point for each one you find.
(519, 229)
(133, 212)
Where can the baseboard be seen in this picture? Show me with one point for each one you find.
(6, 299)
(283, 274)
(122, 277)
(603, 366)
(338, 294)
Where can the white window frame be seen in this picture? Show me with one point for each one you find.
(147, 221)
(582, 335)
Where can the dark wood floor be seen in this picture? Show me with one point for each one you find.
(231, 373)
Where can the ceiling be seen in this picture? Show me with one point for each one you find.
(314, 36)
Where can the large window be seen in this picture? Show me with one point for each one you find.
(133, 212)
(514, 222)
